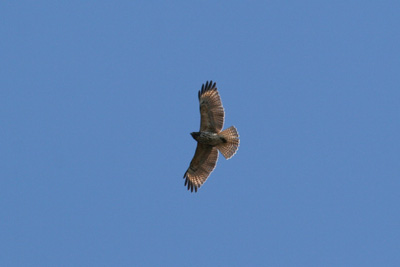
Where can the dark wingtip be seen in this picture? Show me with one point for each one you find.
(190, 186)
(208, 86)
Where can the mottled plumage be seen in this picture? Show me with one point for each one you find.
(210, 139)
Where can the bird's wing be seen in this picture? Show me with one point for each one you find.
(203, 163)
(211, 109)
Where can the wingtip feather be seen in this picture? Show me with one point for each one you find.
(208, 86)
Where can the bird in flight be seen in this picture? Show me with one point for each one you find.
(210, 138)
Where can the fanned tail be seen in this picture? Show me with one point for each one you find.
(229, 148)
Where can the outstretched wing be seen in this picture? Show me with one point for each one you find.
(211, 109)
(203, 163)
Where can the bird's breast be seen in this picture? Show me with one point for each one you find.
(209, 138)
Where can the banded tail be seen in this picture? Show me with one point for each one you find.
(229, 148)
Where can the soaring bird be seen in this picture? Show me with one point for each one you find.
(210, 138)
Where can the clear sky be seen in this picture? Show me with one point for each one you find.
(98, 99)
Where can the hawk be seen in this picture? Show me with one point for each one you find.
(210, 138)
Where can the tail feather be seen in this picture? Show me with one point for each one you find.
(229, 148)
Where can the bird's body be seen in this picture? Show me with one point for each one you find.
(210, 139)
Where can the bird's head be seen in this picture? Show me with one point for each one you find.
(195, 135)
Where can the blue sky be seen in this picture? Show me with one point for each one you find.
(97, 100)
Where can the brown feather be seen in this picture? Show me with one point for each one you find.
(211, 110)
(229, 148)
(203, 163)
